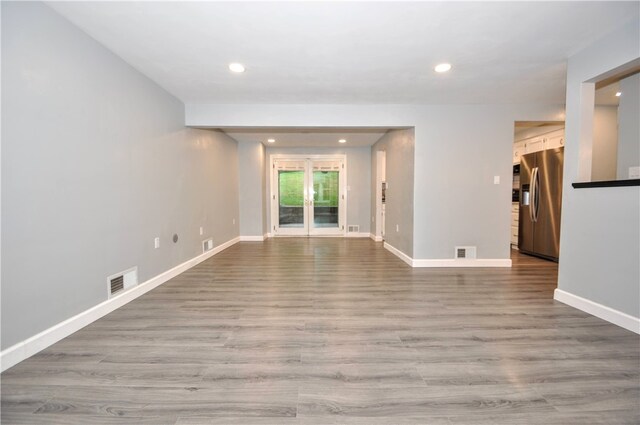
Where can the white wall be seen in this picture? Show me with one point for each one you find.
(605, 143)
(528, 132)
(358, 179)
(251, 187)
(600, 236)
(458, 150)
(629, 126)
(96, 162)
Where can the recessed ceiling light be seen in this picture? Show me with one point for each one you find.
(618, 94)
(236, 67)
(443, 67)
(342, 141)
(271, 140)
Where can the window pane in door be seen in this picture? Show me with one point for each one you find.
(291, 196)
(325, 198)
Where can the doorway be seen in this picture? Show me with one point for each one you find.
(381, 189)
(308, 195)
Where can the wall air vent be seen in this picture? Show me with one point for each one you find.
(353, 228)
(465, 252)
(118, 282)
(207, 245)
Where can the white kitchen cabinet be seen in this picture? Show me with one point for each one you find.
(515, 212)
(534, 145)
(555, 141)
(518, 151)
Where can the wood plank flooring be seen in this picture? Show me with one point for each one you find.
(336, 331)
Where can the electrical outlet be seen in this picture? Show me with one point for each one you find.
(201, 231)
(156, 243)
(496, 179)
(397, 227)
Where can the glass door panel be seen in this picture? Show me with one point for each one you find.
(291, 199)
(326, 195)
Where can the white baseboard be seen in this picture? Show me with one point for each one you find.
(463, 262)
(375, 238)
(252, 238)
(401, 255)
(468, 262)
(357, 235)
(603, 312)
(30, 346)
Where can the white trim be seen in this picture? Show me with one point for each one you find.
(603, 312)
(30, 346)
(395, 251)
(357, 235)
(252, 238)
(458, 262)
(463, 262)
(375, 238)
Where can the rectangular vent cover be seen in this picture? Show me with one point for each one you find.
(117, 284)
(465, 252)
(353, 228)
(207, 245)
(120, 281)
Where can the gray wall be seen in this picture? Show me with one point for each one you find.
(629, 126)
(600, 233)
(399, 148)
(458, 150)
(251, 161)
(605, 143)
(96, 162)
(358, 178)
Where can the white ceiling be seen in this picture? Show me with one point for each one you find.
(290, 137)
(351, 52)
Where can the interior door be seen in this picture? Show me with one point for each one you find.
(308, 197)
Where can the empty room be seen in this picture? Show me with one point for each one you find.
(320, 212)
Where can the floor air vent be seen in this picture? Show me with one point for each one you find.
(464, 252)
(353, 228)
(120, 281)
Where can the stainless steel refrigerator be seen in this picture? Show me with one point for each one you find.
(540, 202)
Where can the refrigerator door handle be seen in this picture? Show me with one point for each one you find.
(532, 196)
(536, 199)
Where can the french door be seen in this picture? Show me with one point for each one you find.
(307, 195)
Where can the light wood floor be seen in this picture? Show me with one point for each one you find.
(336, 331)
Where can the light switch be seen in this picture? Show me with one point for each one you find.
(201, 231)
(156, 243)
(496, 179)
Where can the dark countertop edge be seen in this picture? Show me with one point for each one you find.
(607, 183)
